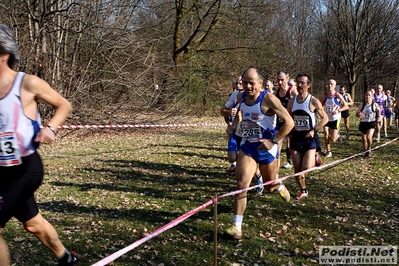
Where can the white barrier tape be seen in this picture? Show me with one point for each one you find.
(141, 126)
(183, 217)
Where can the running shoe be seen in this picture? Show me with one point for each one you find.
(231, 169)
(72, 261)
(234, 232)
(347, 135)
(302, 195)
(385, 136)
(318, 160)
(329, 154)
(339, 138)
(259, 181)
(287, 165)
(284, 193)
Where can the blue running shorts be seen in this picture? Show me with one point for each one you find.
(260, 156)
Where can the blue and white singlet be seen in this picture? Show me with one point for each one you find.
(331, 105)
(255, 124)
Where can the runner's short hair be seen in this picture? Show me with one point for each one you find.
(303, 74)
(8, 45)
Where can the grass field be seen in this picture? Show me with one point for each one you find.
(106, 189)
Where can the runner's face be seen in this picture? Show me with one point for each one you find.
(331, 85)
(368, 97)
(239, 84)
(282, 81)
(302, 84)
(268, 85)
(251, 83)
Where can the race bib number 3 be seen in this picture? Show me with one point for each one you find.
(9, 152)
(301, 123)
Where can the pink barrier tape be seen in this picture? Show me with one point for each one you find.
(183, 217)
(141, 126)
(173, 223)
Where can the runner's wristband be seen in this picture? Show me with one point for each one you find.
(51, 128)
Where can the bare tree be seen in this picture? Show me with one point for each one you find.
(360, 36)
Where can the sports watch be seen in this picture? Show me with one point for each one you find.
(275, 140)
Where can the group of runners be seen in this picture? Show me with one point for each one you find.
(261, 121)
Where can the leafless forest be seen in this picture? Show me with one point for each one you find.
(116, 59)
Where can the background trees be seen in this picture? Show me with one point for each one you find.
(361, 37)
(113, 58)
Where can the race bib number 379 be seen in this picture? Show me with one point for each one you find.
(301, 123)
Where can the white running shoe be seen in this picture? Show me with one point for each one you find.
(259, 181)
(287, 165)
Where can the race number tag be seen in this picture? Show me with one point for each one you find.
(329, 109)
(368, 117)
(301, 123)
(9, 152)
(251, 131)
(239, 130)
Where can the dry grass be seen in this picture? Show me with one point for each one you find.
(105, 189)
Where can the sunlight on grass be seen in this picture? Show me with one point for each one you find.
(104, 191)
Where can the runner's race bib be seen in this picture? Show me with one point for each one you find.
(239, 130)
(9, 152)
(329, 109)
(368, 117)
(251, 131)
(301, 123)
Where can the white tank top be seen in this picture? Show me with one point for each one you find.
(331, 105)
(17, 131)
(304, 118)
(368, 113)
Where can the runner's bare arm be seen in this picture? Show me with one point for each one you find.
(350, 101)
(319, 109)
(344, 104)
(42, 91)
(231, 128)
(273, 103)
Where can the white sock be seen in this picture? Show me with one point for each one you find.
(280, 187)
(237, 221)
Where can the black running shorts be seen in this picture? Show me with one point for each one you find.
(17, 186)
(345, 114)
(366, 126)
(333, 124)
(302, 145)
